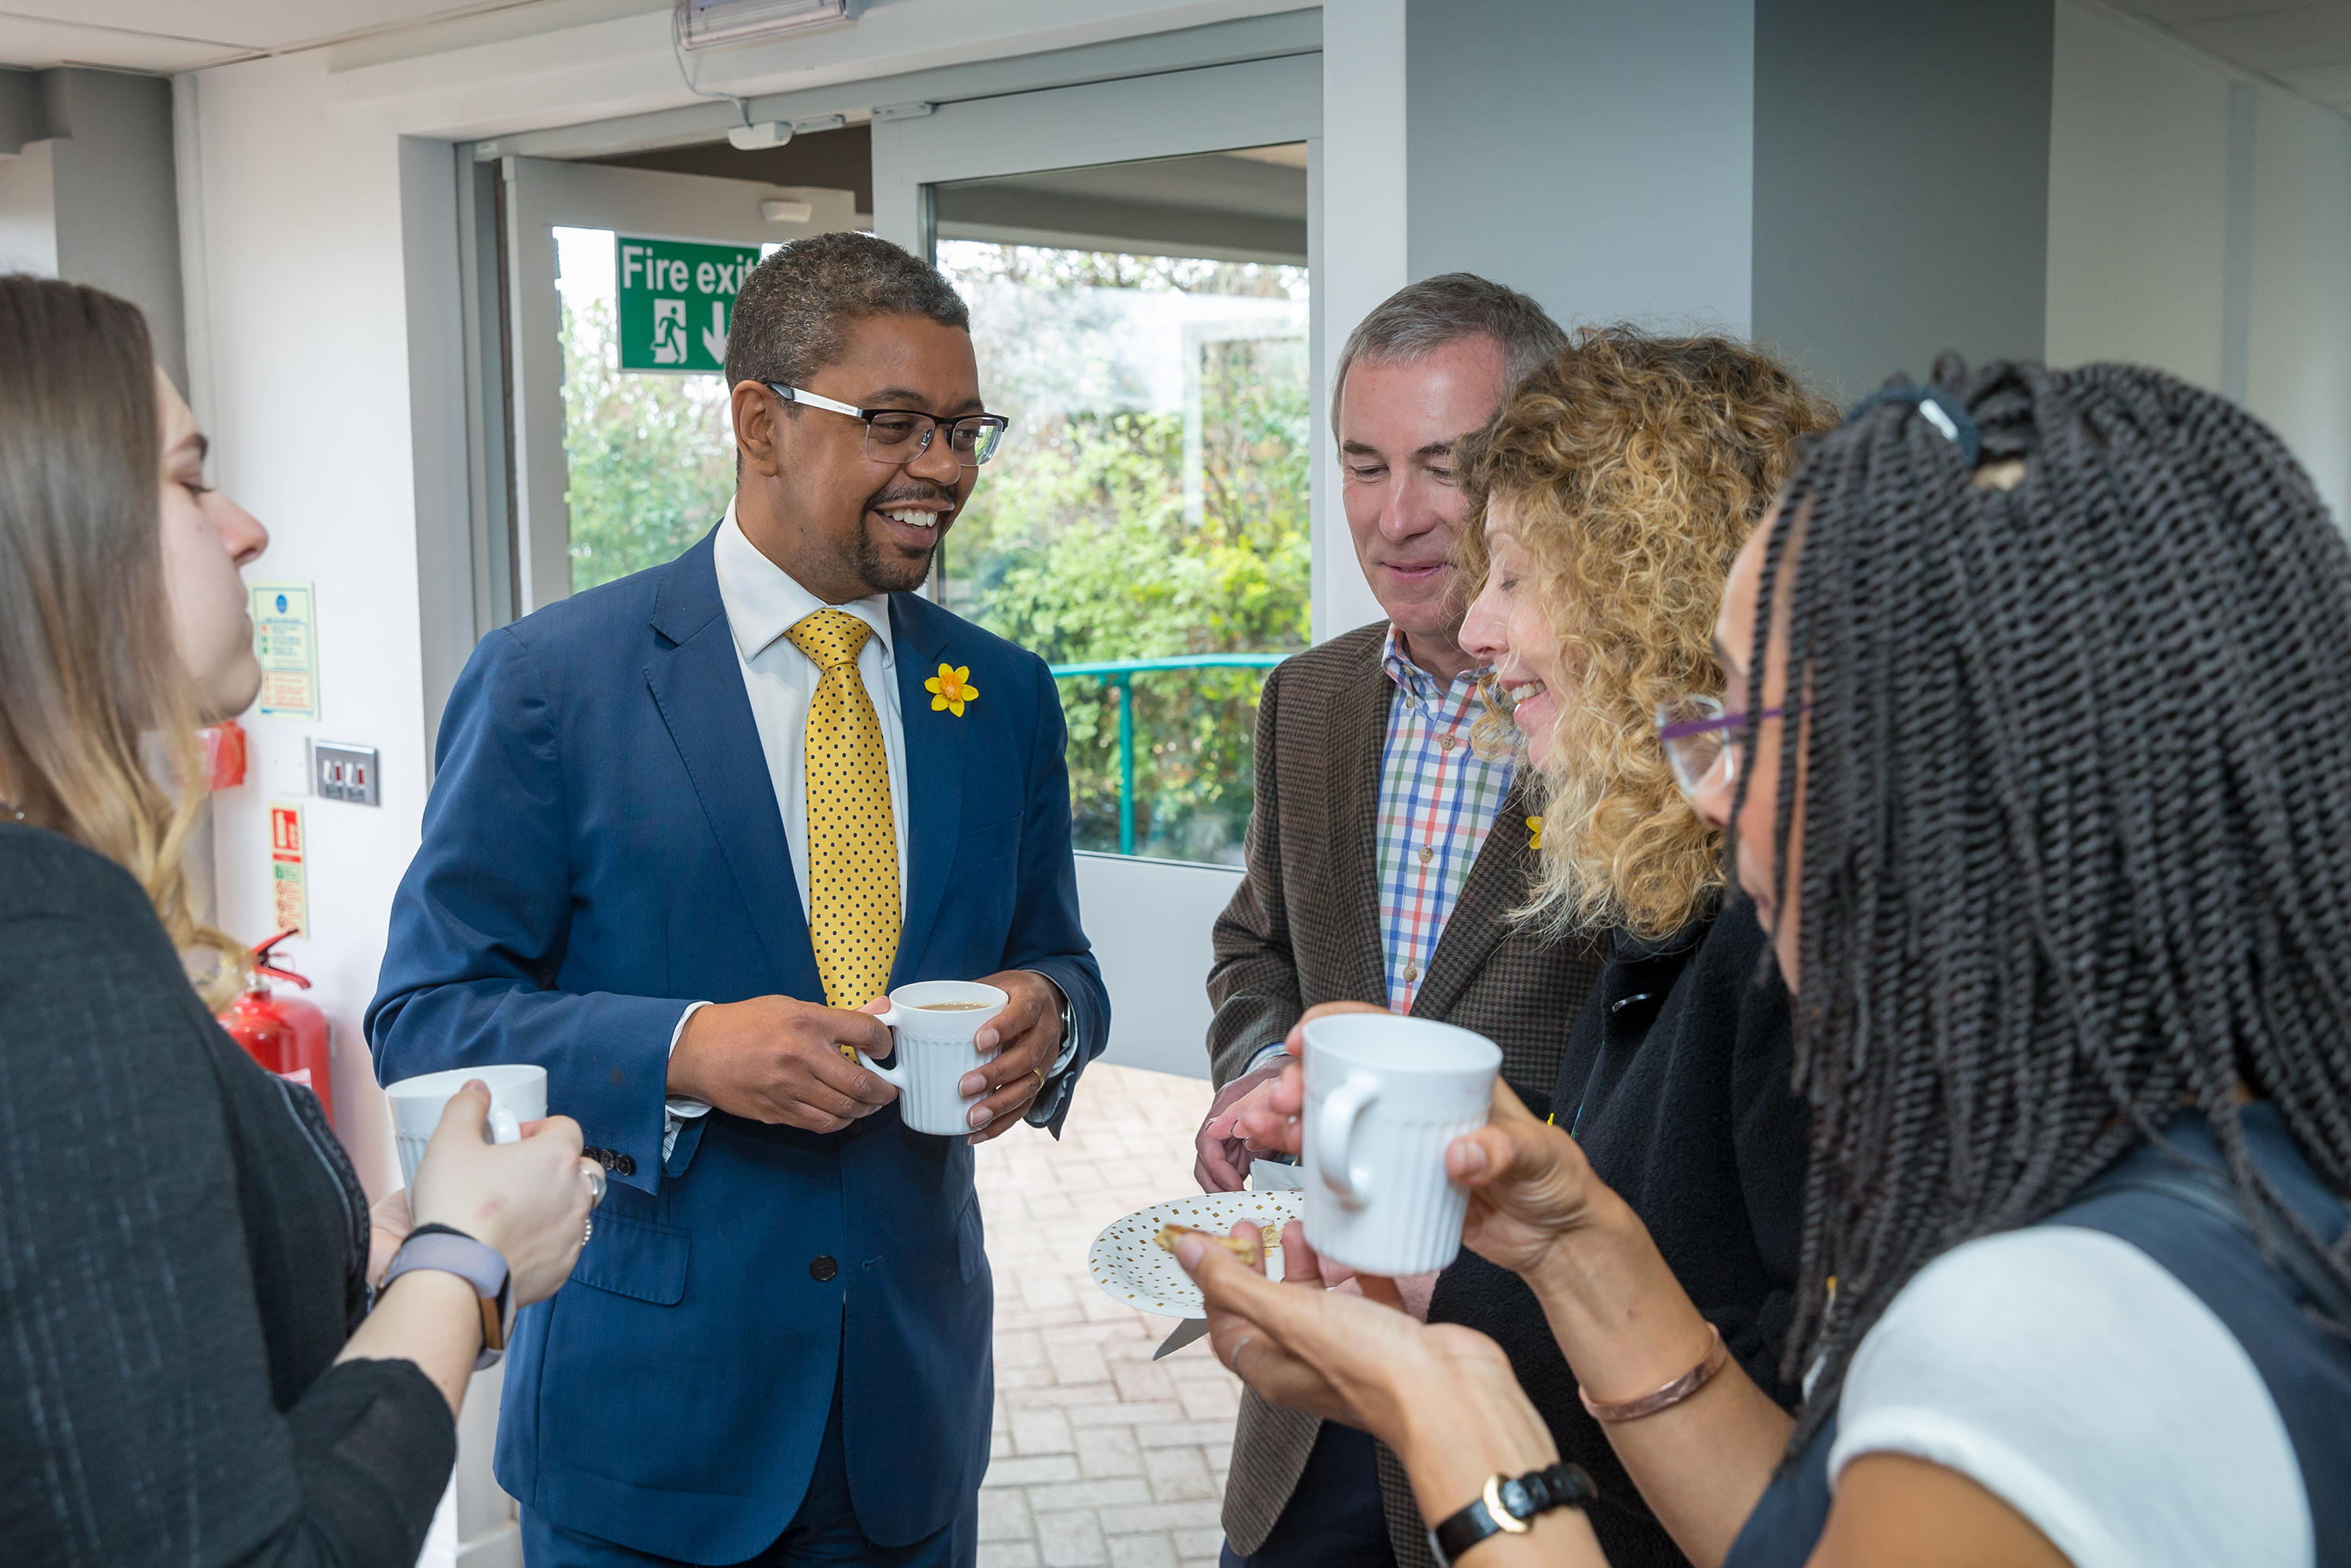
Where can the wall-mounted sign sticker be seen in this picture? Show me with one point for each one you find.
(290, 884)
(675, 299)
(286, 640)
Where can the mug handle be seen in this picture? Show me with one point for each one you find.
(1334, 1131)
(894, 1076)
(502, 1126)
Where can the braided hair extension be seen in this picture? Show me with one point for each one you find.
(2076, 813)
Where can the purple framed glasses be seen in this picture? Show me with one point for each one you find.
(1697, 736)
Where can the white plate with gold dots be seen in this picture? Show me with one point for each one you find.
(1130, 1265)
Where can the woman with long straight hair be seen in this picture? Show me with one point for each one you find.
(196, 1364)
(2035, 775)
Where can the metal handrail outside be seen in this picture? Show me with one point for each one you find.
(1120, 672)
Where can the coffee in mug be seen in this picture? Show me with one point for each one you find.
(517, 1094)
(1385, 1095)
(933, 1023)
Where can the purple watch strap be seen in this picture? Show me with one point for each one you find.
(479, 1266)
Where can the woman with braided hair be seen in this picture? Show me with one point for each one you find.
(2051, 827)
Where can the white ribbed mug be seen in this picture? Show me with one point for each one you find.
(1385, 1095)
(933, 1051)
(517, 1094)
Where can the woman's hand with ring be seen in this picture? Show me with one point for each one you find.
(1271, 1122)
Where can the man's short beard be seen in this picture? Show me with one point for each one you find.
(890, 572)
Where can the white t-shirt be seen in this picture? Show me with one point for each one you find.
(2076, 1379)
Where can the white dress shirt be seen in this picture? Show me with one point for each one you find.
(763, 601)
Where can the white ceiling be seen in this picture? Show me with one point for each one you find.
(2304, 47)
(185, 35)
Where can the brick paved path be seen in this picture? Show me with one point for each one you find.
(1100, 1454)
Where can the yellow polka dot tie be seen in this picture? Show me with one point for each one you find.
(852, 838)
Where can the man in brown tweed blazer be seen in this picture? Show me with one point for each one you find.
(1383, 857)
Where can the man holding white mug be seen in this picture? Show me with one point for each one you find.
(1384, 853)
(688, 829)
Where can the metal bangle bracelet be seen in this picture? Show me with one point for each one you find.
(1671, 1394)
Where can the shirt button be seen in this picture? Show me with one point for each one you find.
(1426, 855)
(823, 1268)
(1445, 742)
(1411, 973)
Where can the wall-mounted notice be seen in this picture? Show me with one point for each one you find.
(289, 884)
(677, 297)
(286, 640)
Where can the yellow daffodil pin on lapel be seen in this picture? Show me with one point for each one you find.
(1534, 832)
(951, 688)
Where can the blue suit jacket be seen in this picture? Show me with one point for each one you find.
(602, 847)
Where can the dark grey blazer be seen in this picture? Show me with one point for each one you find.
(183, 1250)
(1305, 928)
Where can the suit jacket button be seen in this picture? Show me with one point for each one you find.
(823, 1268)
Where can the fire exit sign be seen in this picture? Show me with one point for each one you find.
(677, 297)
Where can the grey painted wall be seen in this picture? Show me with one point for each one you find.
(1595, 154)
(1901, 184)
(118, 210)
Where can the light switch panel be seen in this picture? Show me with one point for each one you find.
(345, 772)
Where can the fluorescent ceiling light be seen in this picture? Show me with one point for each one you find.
(715, 24)
(786, 212)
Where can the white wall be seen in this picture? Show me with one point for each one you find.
(28, 211)
(305, 397)
(2299, 358)
(2178, 190)
(1360, 255)
(2138, 199)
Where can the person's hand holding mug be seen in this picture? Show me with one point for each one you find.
(1441, 1396)
(527, 1200)
(1530, 1186)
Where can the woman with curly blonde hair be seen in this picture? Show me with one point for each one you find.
(1608, 499)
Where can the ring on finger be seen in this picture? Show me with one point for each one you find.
(1233, 1362)
(593, 1175)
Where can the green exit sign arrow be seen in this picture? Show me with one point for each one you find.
(677, 297)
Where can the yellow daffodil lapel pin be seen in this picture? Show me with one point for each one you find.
(951, 688)
(1534, 832)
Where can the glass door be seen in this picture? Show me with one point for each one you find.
(1139, 257)
(1146, 527)
(619, 283)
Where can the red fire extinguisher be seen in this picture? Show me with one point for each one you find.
(285, 1032)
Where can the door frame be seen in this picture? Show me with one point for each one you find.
(541, 196)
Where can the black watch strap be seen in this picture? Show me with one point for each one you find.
(1507, 1504)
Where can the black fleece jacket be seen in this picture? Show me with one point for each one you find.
(1677, 1080)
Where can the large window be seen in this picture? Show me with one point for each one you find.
(1144, 528)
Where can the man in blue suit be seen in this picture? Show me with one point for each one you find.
(687, 828)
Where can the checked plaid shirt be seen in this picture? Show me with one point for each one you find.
(1437, 802)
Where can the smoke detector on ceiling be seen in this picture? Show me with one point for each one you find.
(716, 24)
